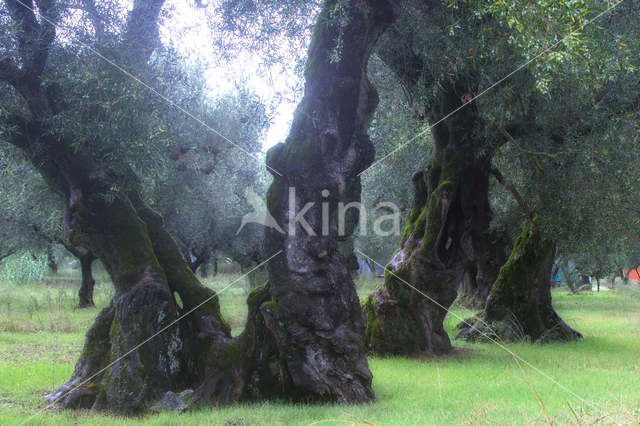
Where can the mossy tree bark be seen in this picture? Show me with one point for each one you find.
(442, 238)
(119, 367)
(519, 306)
(313, 312)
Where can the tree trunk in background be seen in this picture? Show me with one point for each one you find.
(257, 276)
(249, 260)
(313, 312)
(51, 260)
(443, 236)
(204, 270)
(585, 280)
(85, 294)
(469, 288)
(201, 258)
(479, 277)
(519, 306)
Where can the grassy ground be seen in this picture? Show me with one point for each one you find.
(595, 381)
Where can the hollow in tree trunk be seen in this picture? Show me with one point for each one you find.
(519, 305)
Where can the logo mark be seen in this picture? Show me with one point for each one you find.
(262, 216)
(260, 213)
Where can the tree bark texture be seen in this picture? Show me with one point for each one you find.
(519, 306)
(443, 236)
(313, 312)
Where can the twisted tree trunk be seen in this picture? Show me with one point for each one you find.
(314, 313)
(443, 236)
(131, 354)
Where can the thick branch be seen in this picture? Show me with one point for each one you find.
(8, 253)
(142, 34)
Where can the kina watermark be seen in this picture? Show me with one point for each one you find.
(383, 225)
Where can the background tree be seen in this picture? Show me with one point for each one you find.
(202, 197)
(560, 148)
(444, 233)
(481, 43)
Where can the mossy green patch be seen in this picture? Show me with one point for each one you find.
(235, 353)
(135, 248)
(272, 306)
(256, 294)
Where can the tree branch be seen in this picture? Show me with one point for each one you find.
(34, 38)
(531, 154)
(141, 33)
(8, 253)
(512, 189)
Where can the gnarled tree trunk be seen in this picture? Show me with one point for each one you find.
(131, 354)
(519, 306)
(314, 312)
(443, 236)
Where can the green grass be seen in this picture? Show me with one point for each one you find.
(480, 384)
